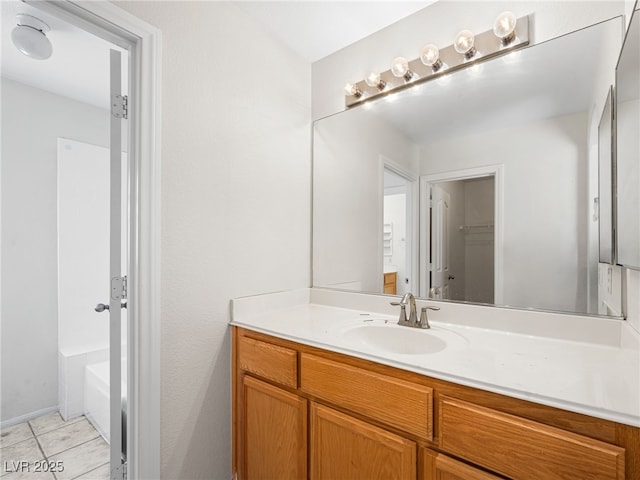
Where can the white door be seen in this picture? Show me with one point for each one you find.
(118, 279)
(440, 201)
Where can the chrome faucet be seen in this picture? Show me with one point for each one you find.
(407, 299)
(412, 321)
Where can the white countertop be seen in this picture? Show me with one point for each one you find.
(528, 355)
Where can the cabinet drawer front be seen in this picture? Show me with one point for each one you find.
(524, 449)
(397, 403)
(437, 466)
(269, 361)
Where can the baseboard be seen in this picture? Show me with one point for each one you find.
(27, 416)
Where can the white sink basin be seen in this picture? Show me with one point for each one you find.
(397, 339)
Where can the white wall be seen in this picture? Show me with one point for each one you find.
(235, 208)
(32, 120)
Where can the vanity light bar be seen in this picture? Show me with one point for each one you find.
(485, 45)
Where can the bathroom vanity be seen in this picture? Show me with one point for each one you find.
(327, 386)
(312, 399)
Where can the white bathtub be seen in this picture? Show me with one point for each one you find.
(96, 396)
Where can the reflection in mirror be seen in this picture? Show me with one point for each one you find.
(605, 182)
(628, 148)
(459, 237)
(397, 231)
(504, 149)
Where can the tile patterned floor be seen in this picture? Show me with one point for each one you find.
(28, 448)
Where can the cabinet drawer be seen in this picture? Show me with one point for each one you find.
(269, 361)
(524, 449)
(436, 466)
(397, 403)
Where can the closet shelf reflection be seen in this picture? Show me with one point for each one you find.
(486, 228)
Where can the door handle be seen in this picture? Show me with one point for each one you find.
(452, 277)
(101, 307)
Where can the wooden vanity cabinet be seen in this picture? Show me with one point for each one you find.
(301, 412)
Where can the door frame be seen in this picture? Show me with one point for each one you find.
(412, 217)
(143, 41)
(425, 231)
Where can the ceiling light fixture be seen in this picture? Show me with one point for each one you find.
(507, 35)
(29, 36)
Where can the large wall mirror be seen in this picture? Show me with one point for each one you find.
(628, 147)
(479, 186)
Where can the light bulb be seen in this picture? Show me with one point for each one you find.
(352, 89)
(374, 80)
(464, 44)
(400, 68)
(504, 27)
(431, 57)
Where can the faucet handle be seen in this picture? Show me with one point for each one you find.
(402, 320)
(424, 321)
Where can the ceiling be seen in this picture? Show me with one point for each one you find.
(315, 29)
(78, 67)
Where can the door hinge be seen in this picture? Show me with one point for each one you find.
(120, 106)
(119, 472)
(119, 288)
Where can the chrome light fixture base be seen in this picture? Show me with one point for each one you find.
(486, 45)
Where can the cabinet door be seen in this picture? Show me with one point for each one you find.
(343, 448)
(275, 433)
(436, 466)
